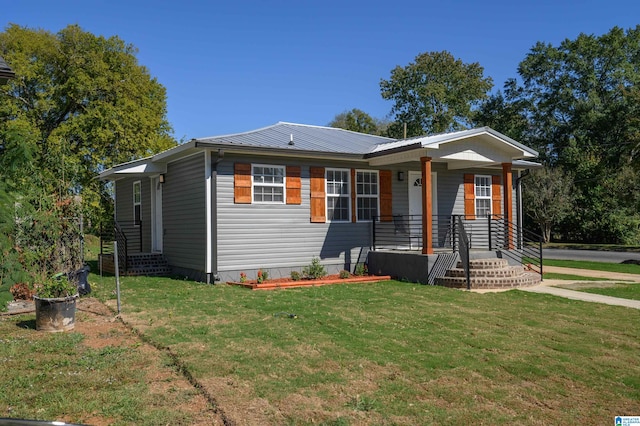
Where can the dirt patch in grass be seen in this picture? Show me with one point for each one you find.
(101, 329)
(588, 284)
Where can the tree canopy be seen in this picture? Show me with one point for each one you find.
(578, 104)
(434, 94)
(82, 103)
(359, 121)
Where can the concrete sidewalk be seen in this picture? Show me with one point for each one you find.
(546, 286)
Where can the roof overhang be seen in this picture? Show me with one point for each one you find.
(483, 147)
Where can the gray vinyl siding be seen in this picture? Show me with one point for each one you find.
(281, 236)
(184, 214)
(124, 212)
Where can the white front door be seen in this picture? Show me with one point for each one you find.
(156, 215)
(415, 207)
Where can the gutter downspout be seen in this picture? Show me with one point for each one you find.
(523, 174)
(211, 176)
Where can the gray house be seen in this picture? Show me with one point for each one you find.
(276, 197)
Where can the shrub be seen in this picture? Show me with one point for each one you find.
(344, 274)
(295, 275)
(315, 270)
(262, 276)
(361, 269)
(57, 286)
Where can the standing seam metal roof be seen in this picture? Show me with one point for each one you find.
(305, 138)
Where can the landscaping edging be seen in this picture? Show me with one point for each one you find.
(310, 283)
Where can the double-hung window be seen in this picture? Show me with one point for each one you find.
(367, 191)
(338, 195)
(483, 195)
(137, 203)
(268, 184)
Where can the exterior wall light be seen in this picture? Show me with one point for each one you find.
(161, 178)
(401, 176)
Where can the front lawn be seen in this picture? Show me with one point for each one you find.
(393, 353)
(627, 268)
(618, 289)
(358, 354)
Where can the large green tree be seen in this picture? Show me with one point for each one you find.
(433, 94)
(357, 120)
(85, 104)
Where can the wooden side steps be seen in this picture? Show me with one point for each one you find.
(489, 274)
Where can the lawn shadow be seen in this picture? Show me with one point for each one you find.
(28, 324)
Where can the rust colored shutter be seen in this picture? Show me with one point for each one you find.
(318, 196)
(469, 196)
(242, 183)
(294, 187)
(496, 197)
(386, 202)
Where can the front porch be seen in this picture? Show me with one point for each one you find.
(458, 243)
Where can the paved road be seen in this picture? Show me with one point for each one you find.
(590, 255)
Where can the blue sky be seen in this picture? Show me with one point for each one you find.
(239, 65)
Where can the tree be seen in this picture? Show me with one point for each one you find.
(578, 104)
(358, 121)
(434, 94)
(547, 196)
(85, 102)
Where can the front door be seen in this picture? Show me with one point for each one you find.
(156, 215)
(415, 207)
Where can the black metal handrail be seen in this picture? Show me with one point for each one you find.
(127, 234)
(494, 232)
(463, 249)
(511, 239)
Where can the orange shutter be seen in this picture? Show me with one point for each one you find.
(496, 197)
(318, 195)
(386, 202)
(294, 195)
(242, 183)
(469, 196)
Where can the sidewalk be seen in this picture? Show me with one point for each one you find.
(546, 286)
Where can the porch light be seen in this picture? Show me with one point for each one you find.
(161, 178)
(401, 176)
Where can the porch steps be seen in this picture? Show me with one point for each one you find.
(489, 274)
(148, 264)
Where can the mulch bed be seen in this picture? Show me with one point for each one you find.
(276, 283)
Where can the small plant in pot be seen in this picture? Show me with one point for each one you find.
(55, 301)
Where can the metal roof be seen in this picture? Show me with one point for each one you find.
(5, 71)
(302, 137)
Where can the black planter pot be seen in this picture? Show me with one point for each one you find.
(56, 314)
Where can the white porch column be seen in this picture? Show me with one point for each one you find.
(427, 206)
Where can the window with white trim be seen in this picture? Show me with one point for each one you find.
(268, 183)
(338, 208)
(137, 202)
(367, 190)
(483, 195)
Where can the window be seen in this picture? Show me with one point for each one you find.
(137, 203)
(366, 194)
(483, 195)
(338, 195)
(268, 184)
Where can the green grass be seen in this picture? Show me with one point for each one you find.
(395, 353)
(596, 266)
(556, 276)
(623, 290)
(585, 246)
